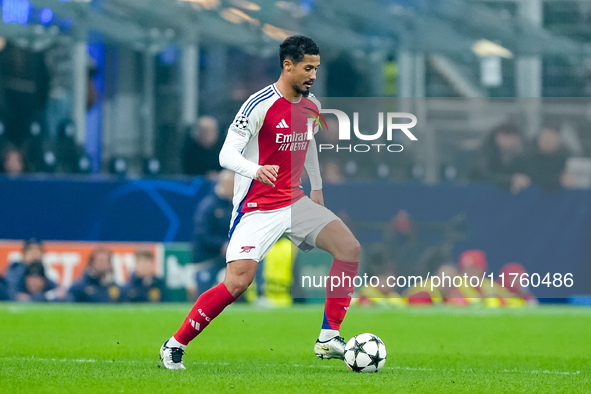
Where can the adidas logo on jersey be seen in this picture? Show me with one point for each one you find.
(282, 125)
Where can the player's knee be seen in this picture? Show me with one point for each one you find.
(351, 250)
(238, 284)
(355, 250)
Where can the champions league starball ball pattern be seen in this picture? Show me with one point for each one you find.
(241, 122)
(365, 353)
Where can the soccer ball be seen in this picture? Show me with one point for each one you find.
(365, 353)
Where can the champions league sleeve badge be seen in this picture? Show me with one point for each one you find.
(240, 125)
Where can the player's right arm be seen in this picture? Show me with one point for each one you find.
(239, 134)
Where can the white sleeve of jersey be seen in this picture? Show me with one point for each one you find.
(312, 166)
(242, 129)
(231, 157)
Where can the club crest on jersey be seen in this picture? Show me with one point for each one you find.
(246, 249)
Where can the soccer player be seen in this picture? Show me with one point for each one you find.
(268, 146)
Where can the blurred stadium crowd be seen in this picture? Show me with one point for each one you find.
(39, 135)
(506, 157)
(26, 280)
(276, 285)
(278, 279)
(472, 263)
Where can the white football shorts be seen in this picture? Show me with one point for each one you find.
(255, 233)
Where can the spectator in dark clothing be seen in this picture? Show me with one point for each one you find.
(143, 285)
(547, 161)
(201, 149)
(332, 174)
(34, 149)
(32, 251)
(503, 160)
(35, 286)
(96, 285)
(210, 237)
(3, 290)
(335, 165)
(67, 150)
(4, 143)
(24, 87)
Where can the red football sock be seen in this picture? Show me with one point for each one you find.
(207, 307)
(339, 293)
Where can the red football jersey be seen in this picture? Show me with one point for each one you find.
(276, 131)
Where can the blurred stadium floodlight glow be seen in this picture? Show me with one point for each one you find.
(276, 33)
(246, 5)
(235, 15)
(206, 4)
(168, 55)
(489, 48)
(296, 10)
(16, 11)
(46, 16)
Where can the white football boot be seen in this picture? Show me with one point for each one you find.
(172, 357)
(333, 348)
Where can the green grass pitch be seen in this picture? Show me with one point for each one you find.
(76, 348)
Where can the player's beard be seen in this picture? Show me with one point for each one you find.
(303, 91)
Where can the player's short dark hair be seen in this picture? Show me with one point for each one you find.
(296, 47)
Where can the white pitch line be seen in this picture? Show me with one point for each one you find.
(60, 360)
(545, 371)
(413, 369)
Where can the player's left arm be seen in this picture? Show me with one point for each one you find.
(312, 167)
